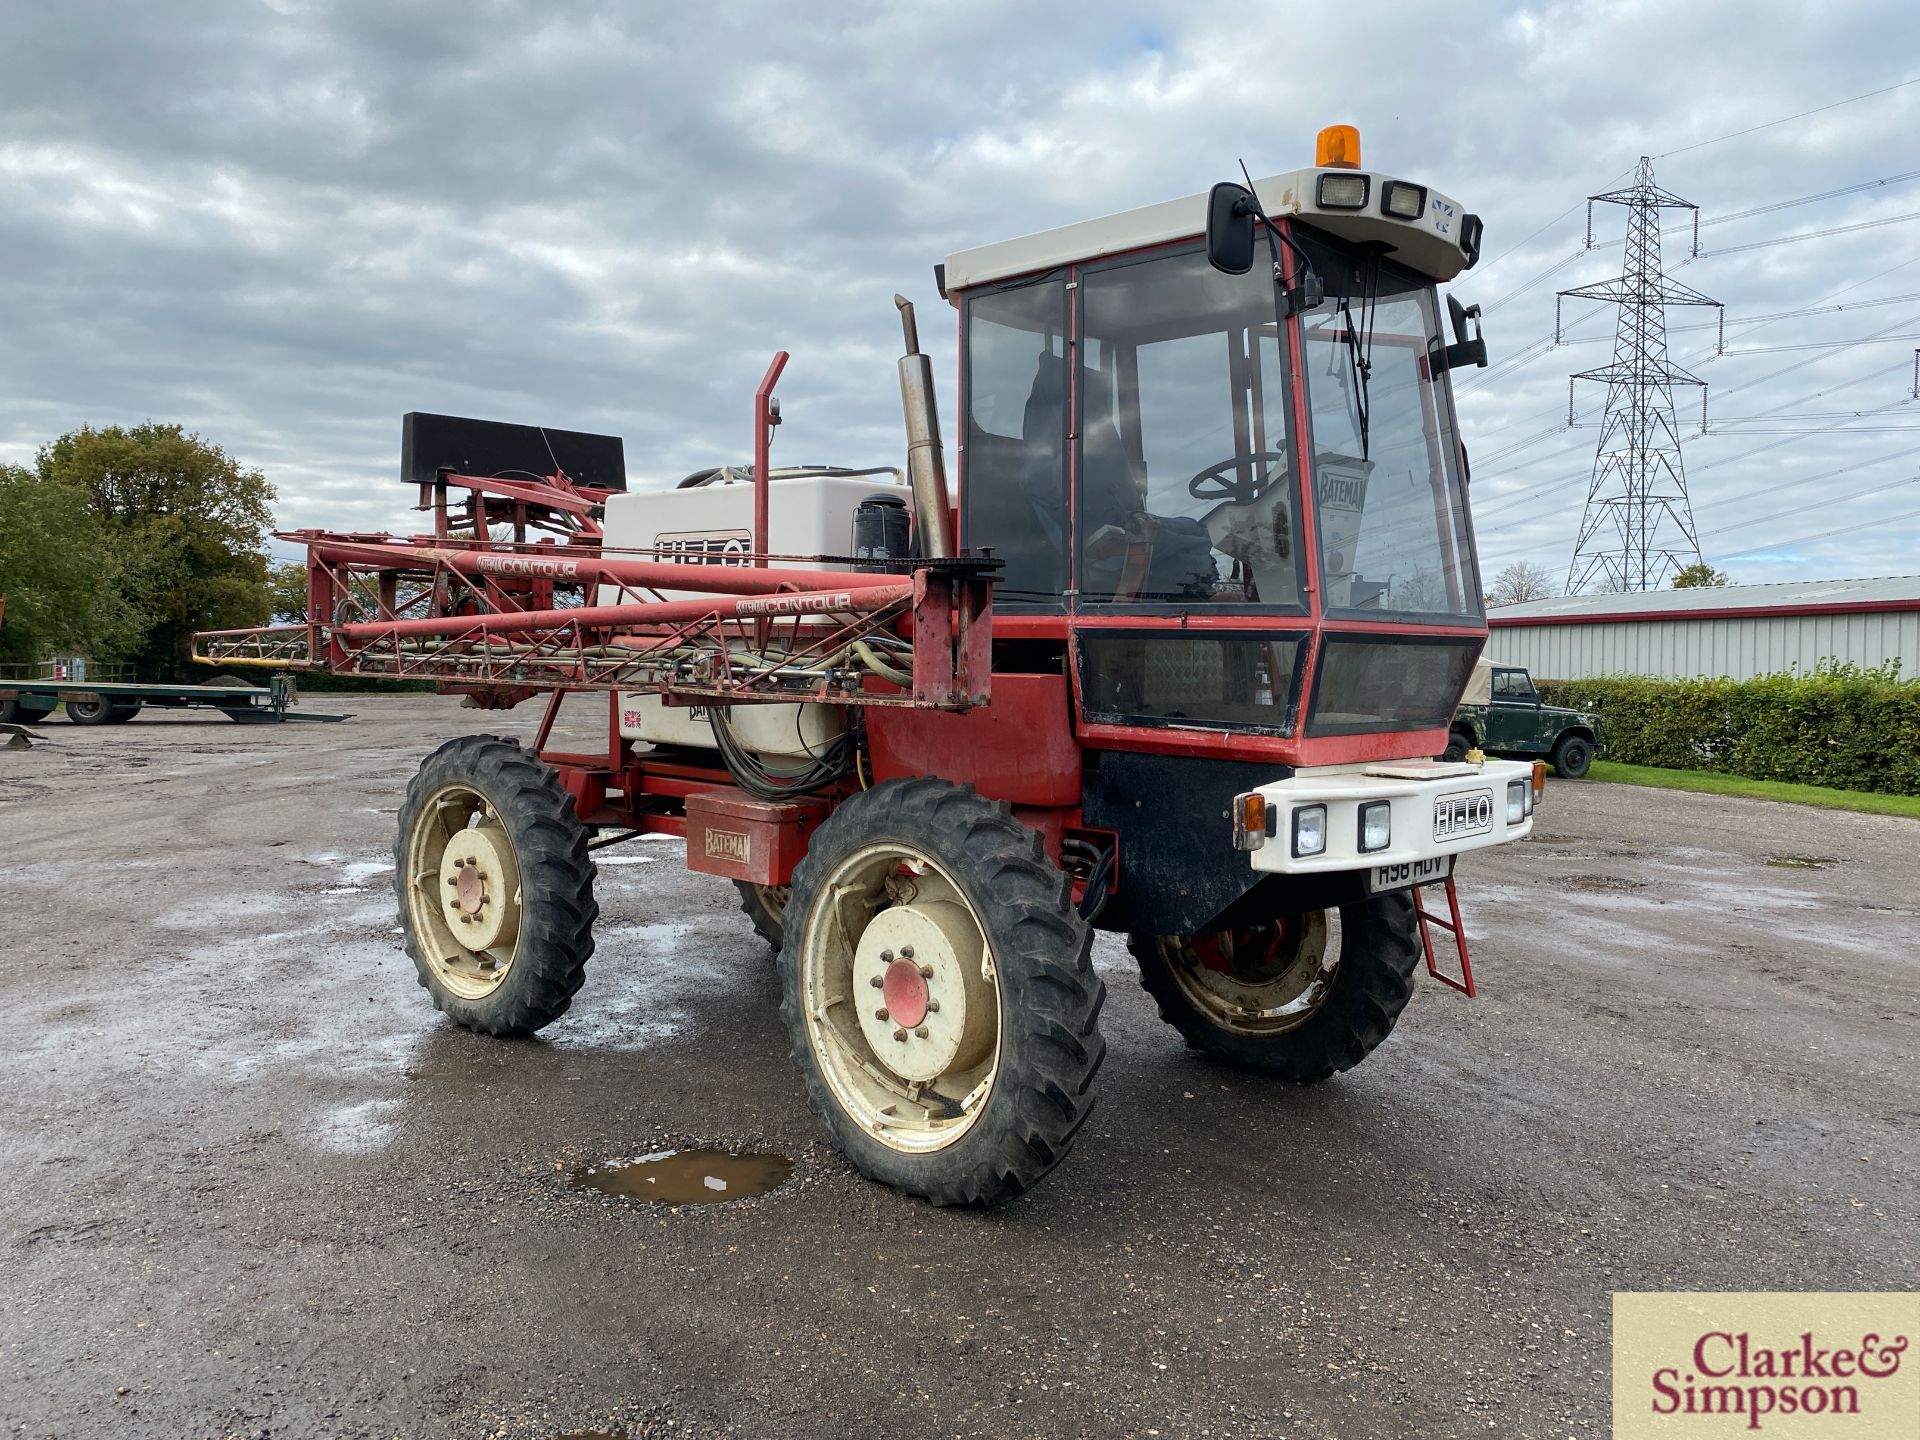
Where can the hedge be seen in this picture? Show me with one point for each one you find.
(1840, 726)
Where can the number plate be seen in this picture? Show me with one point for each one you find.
(1467, 812)
(1408, 873)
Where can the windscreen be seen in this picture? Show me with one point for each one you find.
(1185, 495)
(1390, 507)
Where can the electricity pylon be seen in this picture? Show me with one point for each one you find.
(1637, 530)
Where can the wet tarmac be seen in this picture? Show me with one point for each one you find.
(254, 1185)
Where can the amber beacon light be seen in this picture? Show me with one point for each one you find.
(1337, 148)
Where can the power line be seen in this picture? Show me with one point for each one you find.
(1806, 235)
(1784, 119)
(1878, 520)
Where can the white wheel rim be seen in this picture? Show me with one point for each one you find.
(1279, 992)
(914, 1087)
(464, 898)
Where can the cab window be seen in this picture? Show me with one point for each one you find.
(1513, 685)
(1013, 484)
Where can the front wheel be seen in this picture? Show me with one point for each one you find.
(18, 712)
(1573, 757)
(89, 712)
(939, 994)
(1458, 744)
(765, 905)
(495, 887)
(1303, 998)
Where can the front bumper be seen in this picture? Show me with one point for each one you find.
(1420, 827)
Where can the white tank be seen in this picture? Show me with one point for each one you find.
(807, 514)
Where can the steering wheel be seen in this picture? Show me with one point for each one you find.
(1212, 483)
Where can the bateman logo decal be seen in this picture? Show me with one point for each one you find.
(729, 845)
(529, 565)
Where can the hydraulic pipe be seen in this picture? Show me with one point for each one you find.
(637, 614)
(556, 563)
(766, 415)
(926, 464)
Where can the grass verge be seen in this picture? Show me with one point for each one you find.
(1707, 782)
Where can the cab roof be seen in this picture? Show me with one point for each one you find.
(1431, 244)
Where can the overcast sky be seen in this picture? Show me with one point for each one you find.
(283, 224)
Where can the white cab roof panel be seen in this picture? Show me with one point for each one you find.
(1430, 245)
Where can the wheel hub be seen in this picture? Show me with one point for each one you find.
(478, 889)
(916, 968)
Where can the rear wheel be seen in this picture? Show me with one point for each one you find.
(121, 713)
(89, 712)
(1573, 757)
(764, 905)
(18, 712)
(939, 995)
(495, 887)
(1458, 744)
(1303, 998)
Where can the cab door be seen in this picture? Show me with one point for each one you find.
(1513, 714)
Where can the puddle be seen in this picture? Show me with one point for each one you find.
(686, 1177)
(1800, 862)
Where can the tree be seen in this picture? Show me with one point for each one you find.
(61, 574)
(1520, 582)
(189, 522)
(1700, 576)
(287, 579)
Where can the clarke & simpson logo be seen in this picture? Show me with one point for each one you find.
(1786, 1365)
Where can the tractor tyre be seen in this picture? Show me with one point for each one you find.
(495, 887)
(1573, 757)
(939, 993)
(89, 712)
(764, 905)
(1459, 742)
(18, 712)
(1292, 998)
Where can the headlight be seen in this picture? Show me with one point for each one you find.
(1344, 190)
(1310, 830)
(1403, 201)
(1516, 801)
(1376, 825)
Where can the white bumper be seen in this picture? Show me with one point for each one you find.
(1435, 811)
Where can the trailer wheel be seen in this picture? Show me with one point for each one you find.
(939, 994)
(1573, 757)
(121, 713)
(18, 712)
(1302, 998)
(89, 712)
(764, 905)
(495, 887)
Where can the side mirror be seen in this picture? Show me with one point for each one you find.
(1230, 212)
(1464, 351)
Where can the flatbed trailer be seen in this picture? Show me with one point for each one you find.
(97, 702)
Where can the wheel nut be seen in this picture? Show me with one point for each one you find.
(926, 972)
(921, 1031)
(933, 1006)
(881, 1014)
(899, 1034)
(906, 952)
(877, 982)
(453, 880)
(886, 957)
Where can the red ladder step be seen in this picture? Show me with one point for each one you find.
(1453, 927)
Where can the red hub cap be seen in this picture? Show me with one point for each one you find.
(905, 992)
(469, 889)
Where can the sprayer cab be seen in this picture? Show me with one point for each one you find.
(1213, 441)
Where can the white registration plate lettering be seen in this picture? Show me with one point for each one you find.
(1469, 812)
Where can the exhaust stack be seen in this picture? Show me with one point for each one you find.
(926, 464)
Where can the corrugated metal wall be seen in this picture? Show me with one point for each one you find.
(1731, 646)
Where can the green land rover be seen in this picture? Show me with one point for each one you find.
(1502, 714)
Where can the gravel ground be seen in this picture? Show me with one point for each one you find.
(255, 1185)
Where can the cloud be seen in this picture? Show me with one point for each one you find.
(285, 224)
